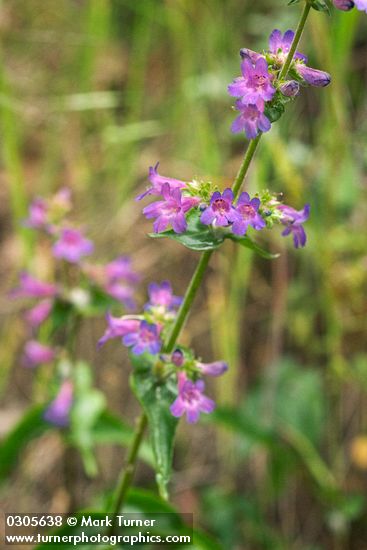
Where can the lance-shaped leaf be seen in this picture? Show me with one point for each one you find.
(156, 399)
(248, 243)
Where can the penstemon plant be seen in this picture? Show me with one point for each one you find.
(167, 378)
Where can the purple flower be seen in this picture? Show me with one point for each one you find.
(30, 287)
(361, 5)
(118, 327)
(293, 220)
(72, 246)
(254, 86)
(280, 45)
(39, 313)
(178, 358)
(220, 210)
(245, 53)
(251, 120)
(146, 338)
(121, 292)
(213, 369)
(191, 399)
(344, 5)
(289, 88)
(37, 217)
(121, 268)
(248, 214)
(171, 210)
(158, 181)
(313, 77)
(162, 296)
(58, 411)
(37, 354)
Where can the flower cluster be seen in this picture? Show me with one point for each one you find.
(83, 288)
(218, 209)
(146, 333)
(346, 5)
(261, 92)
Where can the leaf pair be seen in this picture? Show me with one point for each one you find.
(200, 237)
(156, 398)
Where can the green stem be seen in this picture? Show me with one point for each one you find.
(128, 473)
(187, 301)
(250, 151)
(194, 285)
(297, 37)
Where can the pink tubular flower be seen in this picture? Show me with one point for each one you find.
(251, 120)
(294, 220)
(220, 211)
(248, 215)
(191, 399)
(121, 268)
(39, 313)
(213, 369)
(72, 246)
(146, 338)
(37, 216)
(171, 210)
(361, 5)
(30, 287)
(254, 86)
(158, 181)
(280, 45)
(118, 327)
(37, 354)
(58, 411)
(162, 296)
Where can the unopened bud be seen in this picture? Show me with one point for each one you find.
(313, 76)
(177, 358)
(290, 88)
(344, 5)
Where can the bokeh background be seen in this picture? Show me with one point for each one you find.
(93, 92)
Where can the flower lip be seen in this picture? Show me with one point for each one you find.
(220, 211)
(191, 399)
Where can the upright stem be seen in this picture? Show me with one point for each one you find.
(196, 279)
(241, 174)
(297, 37)
(187, 301)
(128, 473)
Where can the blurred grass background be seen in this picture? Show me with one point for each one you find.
(92, 92)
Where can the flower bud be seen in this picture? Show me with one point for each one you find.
(213, 369)
(344, 5)
(177, 358)
(313, 76)
(290, 88)
(245, 53)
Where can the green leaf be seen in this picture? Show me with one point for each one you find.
(156, 399)
(248, 243)
(197, 236)
(29, 427)
(274, 111)
(321, 5)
